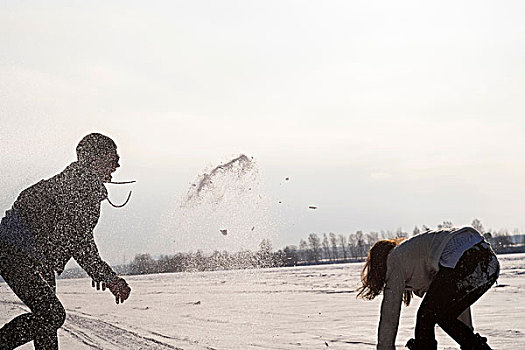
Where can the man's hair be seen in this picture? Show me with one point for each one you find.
(93, 146)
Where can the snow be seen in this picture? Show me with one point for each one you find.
(310, 307)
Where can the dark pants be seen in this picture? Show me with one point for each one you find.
(35, 286)
(454, 290)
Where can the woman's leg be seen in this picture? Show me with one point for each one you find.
(457, 329)
(454, 290)
(47, 314)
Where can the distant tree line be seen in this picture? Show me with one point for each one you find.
(198, 261)
(330, 248)
(335, 248)
(315, 249)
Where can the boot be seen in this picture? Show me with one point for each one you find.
(479, 343)
(414, 344)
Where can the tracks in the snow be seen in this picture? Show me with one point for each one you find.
(102, 335)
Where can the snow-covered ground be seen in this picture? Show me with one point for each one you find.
(285, 308)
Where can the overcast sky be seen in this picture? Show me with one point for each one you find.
(382, 114)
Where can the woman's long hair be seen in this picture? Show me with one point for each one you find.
(374, 272)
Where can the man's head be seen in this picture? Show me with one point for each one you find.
(99, 153)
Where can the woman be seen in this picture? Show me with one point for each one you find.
(450, 268)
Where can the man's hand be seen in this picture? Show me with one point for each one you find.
(120, 289)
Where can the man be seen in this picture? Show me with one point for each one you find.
(50, 223)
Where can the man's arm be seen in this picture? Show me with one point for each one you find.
(87, 256)
(83, 212)
(100, 272)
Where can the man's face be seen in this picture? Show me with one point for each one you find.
(107, 165)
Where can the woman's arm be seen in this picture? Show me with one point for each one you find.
(391, 305)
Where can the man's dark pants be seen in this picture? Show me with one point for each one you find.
(35, 286)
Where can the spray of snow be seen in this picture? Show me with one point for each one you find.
(224, 209)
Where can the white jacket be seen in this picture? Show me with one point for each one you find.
(411, 265)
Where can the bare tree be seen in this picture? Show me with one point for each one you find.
(401, 233)
(360, 243)
(290, 257)
(388, 234)
(416, 231)
(315, 246)
(476, 223)
(143, 264)
(371, 238)
(342, 242)
(333, 243)
(446, 224)
(352, 244)
(326, 247)
(303, 250)
(264, 255)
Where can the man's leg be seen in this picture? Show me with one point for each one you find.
(48, 340)
(47, 314)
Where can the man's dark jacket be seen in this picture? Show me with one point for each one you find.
(61, 213)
